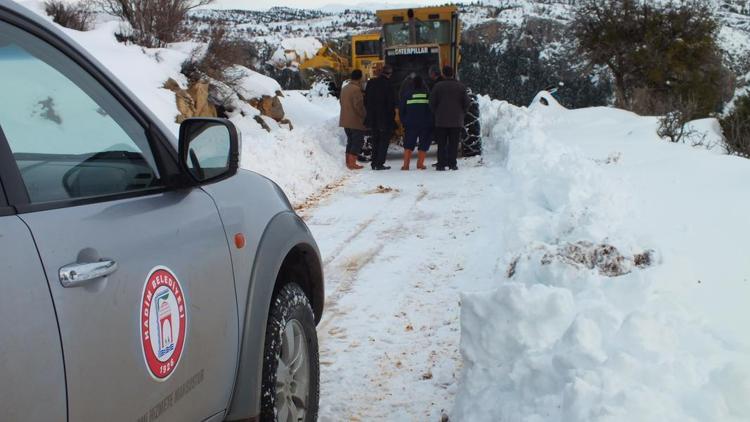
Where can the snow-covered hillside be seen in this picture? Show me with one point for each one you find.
(499, 34)
(279, 23)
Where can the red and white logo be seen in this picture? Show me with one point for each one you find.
(163, 322)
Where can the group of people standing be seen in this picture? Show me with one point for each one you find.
(428, 110)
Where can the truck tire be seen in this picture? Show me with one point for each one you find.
(291, 367)
(471, 136)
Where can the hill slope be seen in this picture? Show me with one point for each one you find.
(511, 48)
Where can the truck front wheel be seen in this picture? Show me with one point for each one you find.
(291, 367)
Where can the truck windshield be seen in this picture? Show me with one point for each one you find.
(396, 34)
(367, 48)
(433, 32)
(427, 32)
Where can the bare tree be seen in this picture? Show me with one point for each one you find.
(76, 16)
(221, 53)
(154, 22)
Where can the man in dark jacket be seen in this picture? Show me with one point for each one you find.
(415, 114)
(380, 103)
(449, 102)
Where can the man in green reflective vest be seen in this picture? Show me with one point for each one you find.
(415, 114)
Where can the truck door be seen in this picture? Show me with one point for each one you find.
(32, 380)
(140, 275)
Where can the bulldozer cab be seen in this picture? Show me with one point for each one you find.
(416, 39)
(367, 54)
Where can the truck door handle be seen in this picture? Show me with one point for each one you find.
(76, 274)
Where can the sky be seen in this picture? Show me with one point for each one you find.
(314, 4)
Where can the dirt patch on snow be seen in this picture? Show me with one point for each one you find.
(605, 258)
(314, 200)
(383, 189)
(355, 262)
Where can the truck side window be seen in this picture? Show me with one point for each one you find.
(69, 136)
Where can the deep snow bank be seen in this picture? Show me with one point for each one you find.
(295, 51)
(302, 160)
(560, 341)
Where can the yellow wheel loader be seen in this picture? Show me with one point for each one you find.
(412, 41)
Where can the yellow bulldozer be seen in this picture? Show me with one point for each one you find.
(411, 41)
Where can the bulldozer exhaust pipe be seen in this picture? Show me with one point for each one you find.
(412, 27)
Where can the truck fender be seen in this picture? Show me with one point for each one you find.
(285, 233)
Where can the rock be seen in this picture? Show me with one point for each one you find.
(191, 102)
(185, 105)
(171, 85)
(271, 107)
(199, 93)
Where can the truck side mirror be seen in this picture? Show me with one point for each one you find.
(208, 149)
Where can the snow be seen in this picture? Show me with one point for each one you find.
(305, 47)
(252, 84)
(558, 341)
(311, 110)
(398, 247)
(425, 320)
(295, 50)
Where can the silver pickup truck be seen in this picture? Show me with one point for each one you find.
(143, 278)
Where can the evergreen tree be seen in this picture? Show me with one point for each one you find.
(662, 56)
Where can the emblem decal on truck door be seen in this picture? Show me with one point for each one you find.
(163, 322)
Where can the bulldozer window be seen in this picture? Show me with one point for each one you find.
(433, 32)
(367, 48)
(396, 34)
(428, 32)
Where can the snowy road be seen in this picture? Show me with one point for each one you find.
(395, 262)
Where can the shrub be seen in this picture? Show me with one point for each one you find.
(76, 16)
(673, 125)
(736, 128)
(222, 53)
(154, 23)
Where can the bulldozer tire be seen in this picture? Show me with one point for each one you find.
(471, 136)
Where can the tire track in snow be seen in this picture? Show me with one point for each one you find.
(360, 228)
(393, 261)
(346, 274)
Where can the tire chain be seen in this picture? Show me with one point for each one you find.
(471, 136)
